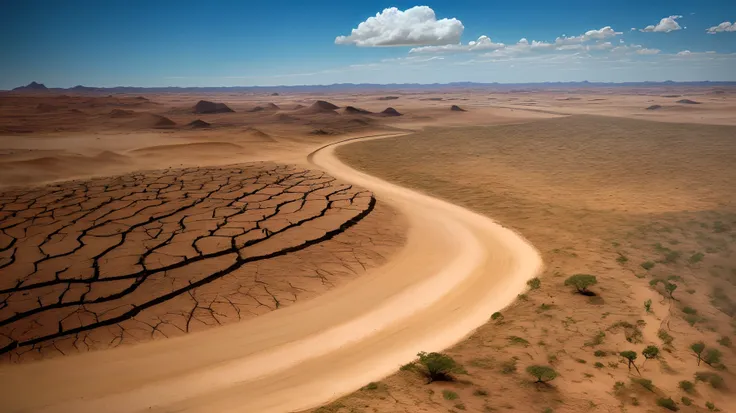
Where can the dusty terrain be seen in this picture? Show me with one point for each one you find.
(180, 222)
(595, 195)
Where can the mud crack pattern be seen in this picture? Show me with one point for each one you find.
(88, 264)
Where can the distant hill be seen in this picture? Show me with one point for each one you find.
(341, 87)
(33, 86)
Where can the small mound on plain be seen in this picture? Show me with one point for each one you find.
(121, 113)
(654, 107)
(318, 107)
(150, 120)
(390, 112)
(688, 102)
(456, 108)
(199, 148)
(198, 124)
(357, 111)
(205, 106)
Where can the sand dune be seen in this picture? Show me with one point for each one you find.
(200, 148)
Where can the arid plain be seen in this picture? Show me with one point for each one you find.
(157, 254)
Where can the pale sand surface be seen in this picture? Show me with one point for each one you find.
(337, 289)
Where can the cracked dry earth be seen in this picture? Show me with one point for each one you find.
(95, 264)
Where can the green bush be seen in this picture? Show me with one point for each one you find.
(518, 340)
(712, 356)
(508, 367)
(686, 401)
(648, 306)
(696, 258)
(596, 340)
(645, 383)
(725, 341)
(371, 386)
(698, 348)
(689, 310)
(650, 352)
(687, 386)
(449, 395)
(713, 379)
(480, 392)
(711, 407)
(648, 265)
(668, 404)
(438, 366)
(598, 365)
(534, 283)
(581, 282)
(543, 374)
(665, 336)
(599, 353)
(496, 316)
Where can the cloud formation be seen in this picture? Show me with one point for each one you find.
(590, 40)
(666, 25)
(723, 27)
(417, 26)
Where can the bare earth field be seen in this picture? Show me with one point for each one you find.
(145, 246)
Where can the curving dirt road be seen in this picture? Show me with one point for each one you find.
(457, 268)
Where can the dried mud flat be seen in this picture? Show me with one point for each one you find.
(89, 265)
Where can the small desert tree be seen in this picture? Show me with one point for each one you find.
(712, 356)
(630, 356)
(698, 348)
(581, 282)
(438, 366)
(648, 306)
(650, 352)
(670, 288)
(543, 374)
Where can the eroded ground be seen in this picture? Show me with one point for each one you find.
(88, 265)
(637, 204)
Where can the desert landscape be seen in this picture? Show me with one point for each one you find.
(192, 234)
(353, 207)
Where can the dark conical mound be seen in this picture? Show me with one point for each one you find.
(357, 111)
(274, 94)
(390, 112)
(320, 132)
(205, 106)
(198, 124)
(33, 86)
(457, 108)
(121, 113)
(654, 107)
(162, 122)
(257, 109)
(388, 98)
(688, 102)
(322, 105)
(272, 106)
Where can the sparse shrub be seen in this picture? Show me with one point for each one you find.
(711, 407)
(408, 367)
(689, 310)
(665, 336)
(460, 406)
(548, 410)
(438, 366)
(581, 361)
(630, 356)
(648, 265)
(508, 367)
(667, 403)
(543, 374)
(480, 392)
(518, 340)
(712, 356)
(686, 401)
(634, 401)
(633, 333)
(545, 307)
(619, 387)
(371, 386)
(690, 291)
(496, 316)
(698, 348)
(613, 364)
(621, 259)
(522, 297)
(599, 353)
(581, 282)
(648, 306)
(725, 341)
(597, 339)
(671, 257)
(715, 380)
(645, 383)
(687, 386)
(534, 283)
(598, 365)
(691, 319)
(650, 352)
(449, 395)
(696, 258)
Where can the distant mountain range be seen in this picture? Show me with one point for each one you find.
(346, 87)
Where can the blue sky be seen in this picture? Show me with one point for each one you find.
(229, 43)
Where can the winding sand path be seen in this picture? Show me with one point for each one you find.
(457, 268)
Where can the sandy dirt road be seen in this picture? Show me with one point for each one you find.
(457, 268)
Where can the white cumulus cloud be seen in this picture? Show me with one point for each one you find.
(723, 27)
(483, 43)
(666, 25)
(646, 51)
(417, 26)
(684, 53)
